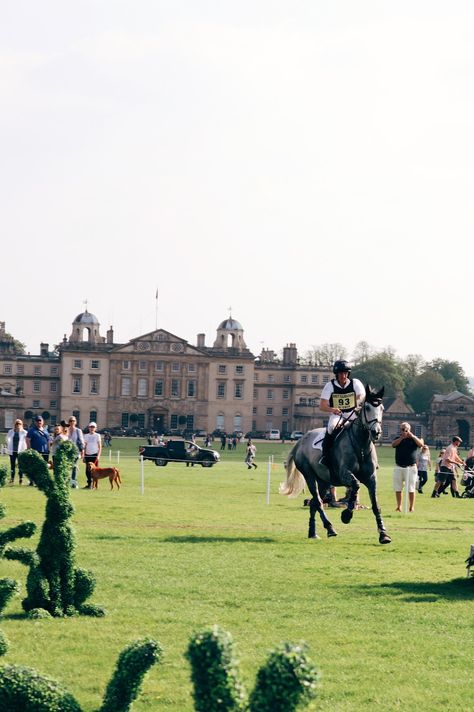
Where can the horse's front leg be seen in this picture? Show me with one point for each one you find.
(372, 489)
(350, 481)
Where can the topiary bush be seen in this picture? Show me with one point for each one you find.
(214, 672)
(53, 583)
(287, 680)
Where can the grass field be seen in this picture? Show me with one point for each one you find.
(389, 627)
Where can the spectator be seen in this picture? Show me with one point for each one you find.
(38, 438)
(60, 434)
(439, 476)
(223, 441)
(76, 436)
(448, 468)
(250, 455)
(92, 450)
(16, 443)
(405, 471)
(423, 463)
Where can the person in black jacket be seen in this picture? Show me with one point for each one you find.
(405, 472)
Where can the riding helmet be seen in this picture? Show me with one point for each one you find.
(340, 366)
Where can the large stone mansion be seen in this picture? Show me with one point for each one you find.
(159, 381)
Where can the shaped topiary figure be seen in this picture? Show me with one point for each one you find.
(25, 690)
(54, 586)
(8, 587)
(288, 678)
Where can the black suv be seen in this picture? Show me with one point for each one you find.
(179, 451)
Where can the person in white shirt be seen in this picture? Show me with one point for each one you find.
(92, 450)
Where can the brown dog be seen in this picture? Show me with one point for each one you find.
(100, 473)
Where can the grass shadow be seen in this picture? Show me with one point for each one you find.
(190, 539)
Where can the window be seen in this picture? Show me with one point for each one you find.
(239, 369)
(286, 394)
(221, 389)
(304, 378)
(384, 430)
(191, 368)
(254, 425)
(174, 421)
(142, 389)
(77, 415)
(418, 431)
(325, 380)
(36, 404)
(93, 416)
(286, 378)
(255, 394)
(221, 369)
(314, 378)
(142, 365)
(7, 369)
(270, 394)
(125, 420)
(77, 384)
(237, 422)
(93, 385)
(238, 390)
(284, 411)
(77, 363)
(53, 404)
(284, 426)
(126, 365)
(175, 367)
(190, 422)
(175, 388)
(269, 411)
(53, 387)
(54, 370)
(158, 388)
(20, 370)
(220, 422)
(271, 378)
(254, 410)
(95, 364)
(126, 386)
(37, 371)
(141, 420)
(191, 389)
(36, 386)
(159, 366)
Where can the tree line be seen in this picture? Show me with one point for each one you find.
(415, 379)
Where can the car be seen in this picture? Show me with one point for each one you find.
(254, 434)
(179, 451)
(296, 435)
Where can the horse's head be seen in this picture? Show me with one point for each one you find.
(371, 412)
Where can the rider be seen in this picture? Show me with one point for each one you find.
(339, 397)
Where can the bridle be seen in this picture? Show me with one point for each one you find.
(363, 416)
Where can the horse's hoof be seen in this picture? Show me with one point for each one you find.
(384, 538)
(332, 532)
(346, 516)
(314, 536)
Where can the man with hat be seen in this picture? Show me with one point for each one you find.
(38, 438)
(447, 467)
(92, 450)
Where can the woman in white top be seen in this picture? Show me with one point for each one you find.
(423, 463)
(16, 443)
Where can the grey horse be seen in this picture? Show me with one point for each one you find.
(352, 460)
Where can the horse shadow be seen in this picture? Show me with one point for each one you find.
(191, 539)
(458, 589)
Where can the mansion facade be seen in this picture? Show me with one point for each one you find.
(160, 382)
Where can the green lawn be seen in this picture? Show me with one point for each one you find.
(389, 627)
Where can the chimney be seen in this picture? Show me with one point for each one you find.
(44, 349)
(201, 340)
(290, 355)
(110, 335)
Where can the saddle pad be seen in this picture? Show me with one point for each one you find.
(318, 440)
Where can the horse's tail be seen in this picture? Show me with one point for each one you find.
(295, 482)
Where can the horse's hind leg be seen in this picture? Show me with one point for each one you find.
(384, 538)
(316, 505)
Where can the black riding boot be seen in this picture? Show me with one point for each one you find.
(327, 444)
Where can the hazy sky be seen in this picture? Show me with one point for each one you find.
(308, 163)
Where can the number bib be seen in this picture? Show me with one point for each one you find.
(344, 401)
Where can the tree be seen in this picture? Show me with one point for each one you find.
(423, 388)
(325, 355)
(381, 370)
(362, 352)
(451, 371)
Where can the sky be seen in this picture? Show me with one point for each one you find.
(306, 164)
